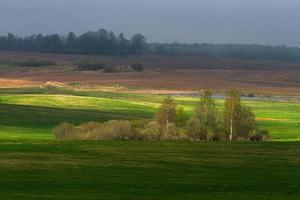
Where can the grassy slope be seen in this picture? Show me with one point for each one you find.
(33, 166)
(38, 111)
(149, 170)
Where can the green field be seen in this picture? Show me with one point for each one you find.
(34, 112)
(149, 170)
(35, 166)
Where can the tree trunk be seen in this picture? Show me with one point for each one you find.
(231, 123)
(168, 121)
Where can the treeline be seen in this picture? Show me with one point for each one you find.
(236, 123)
(227, 51)
(101, 42)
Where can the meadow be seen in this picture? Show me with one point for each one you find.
(34, 112)
(149, 170)
(33, 165)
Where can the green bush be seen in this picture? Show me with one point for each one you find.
(259, 135)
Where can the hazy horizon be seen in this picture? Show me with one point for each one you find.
(214, 21)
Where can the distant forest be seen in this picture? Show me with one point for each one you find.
(101, 42)
(105, 42)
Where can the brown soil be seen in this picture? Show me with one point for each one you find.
(168, 73)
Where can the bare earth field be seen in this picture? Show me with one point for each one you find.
(164, 73)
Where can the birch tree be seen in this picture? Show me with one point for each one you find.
(167, 113)
(239, 120)
(204, 123)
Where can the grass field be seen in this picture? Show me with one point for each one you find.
(35, 166)
(28, 112)
(149, 170)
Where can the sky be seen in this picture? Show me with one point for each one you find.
(270, 22)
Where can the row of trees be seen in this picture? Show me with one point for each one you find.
(235, 51)
(207, 123)
(105, 42)
(101, 42)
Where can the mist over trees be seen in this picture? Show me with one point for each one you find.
(230, 51)
(104, 42)
(101, 42)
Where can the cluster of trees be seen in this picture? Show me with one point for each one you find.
(235, 51)
(101, 42)
(236, 123)
(207, 123)
(105, 42)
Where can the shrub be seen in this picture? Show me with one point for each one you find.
(174, 133)
(5, 62)
(150, 132)
(64, 131)
(140, 123)
(89, 131)
(85, 65)
(259, 135)
(137, 67)
(195, 129)
(32, 62)
(220, 136)
(110, 69)
(117, 68)
(250, 95)
(118, 130)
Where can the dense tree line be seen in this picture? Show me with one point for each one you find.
(101, 42)
(235, 51)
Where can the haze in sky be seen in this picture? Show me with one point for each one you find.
(216, 21)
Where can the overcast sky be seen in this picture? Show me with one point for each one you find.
(216, 21)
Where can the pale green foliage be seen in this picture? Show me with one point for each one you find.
(173, 133)
(119, 130)
(239, 120)
(64, 131)
(180, 118)
(167, 112)
(88, 131)
(151, 131)
(205, 123)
